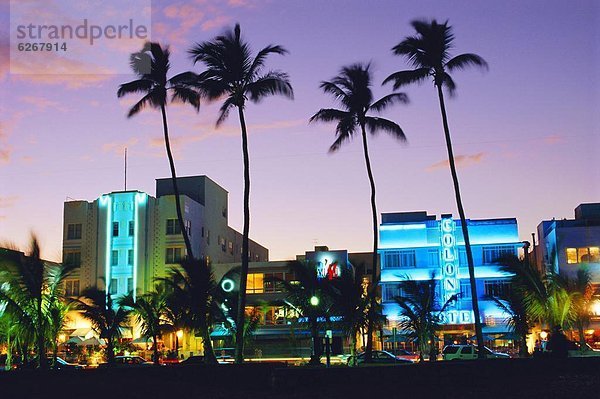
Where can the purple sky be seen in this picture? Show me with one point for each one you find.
(526, 133)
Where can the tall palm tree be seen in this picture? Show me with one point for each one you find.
(429, 53)
(151, 65)
(352, 89)
(191, 285)
(420, 313)
(107, 319)
(29, 287)
(233, 74)
(149, 311)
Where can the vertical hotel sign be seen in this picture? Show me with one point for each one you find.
(450, 282)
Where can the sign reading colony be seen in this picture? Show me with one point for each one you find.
(450, 281)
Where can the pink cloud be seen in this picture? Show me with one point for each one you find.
(461, 161)
(217, 22)
(553, 139)
(42, 103)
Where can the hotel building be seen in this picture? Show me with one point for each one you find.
(415, 246)
(124, 240)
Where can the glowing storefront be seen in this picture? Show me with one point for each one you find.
(415, 246)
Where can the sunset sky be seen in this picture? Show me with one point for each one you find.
(526, 133)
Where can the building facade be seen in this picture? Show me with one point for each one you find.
(124, 240)
(416, 246)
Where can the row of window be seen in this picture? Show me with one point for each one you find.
(115, 285)
(259, 283)
(408, 257)
(583, 255)
(499, 288)
(114, 259)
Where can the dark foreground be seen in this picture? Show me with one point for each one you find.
(511, 378)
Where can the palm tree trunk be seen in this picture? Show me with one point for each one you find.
(581, 333)
(314, 332)
(110, 352)
(239, 331)
(353, 348)
(41, 344)
(523, 350)
(463, 225)
(373, 288)
(209, 353)
(186, 238)
(55, 353)
(8, 364)
(155, 350)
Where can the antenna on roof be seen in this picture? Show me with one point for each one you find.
(125, 169)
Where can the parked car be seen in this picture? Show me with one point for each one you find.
(381, 357)
(469, 352)
(404, 354)
(197, 359)
(574, 350)
(128, 361)
(62, 364)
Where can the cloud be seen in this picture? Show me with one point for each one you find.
(117, 147)
(8, 201)
(217, 22)
(461, 161)
(42, 103)
(553, 139)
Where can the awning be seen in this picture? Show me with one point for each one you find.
(510, 336)
(399, 338)
(486, 337)
(92, 342)
(73, 340)
(80, 332)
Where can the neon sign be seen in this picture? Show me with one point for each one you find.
(328, 269)
(450, 282)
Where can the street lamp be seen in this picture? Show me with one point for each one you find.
(314, 300)
(314, 359)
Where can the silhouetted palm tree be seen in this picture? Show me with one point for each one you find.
(311, 296)
(233, 74)
(352, 89)
(107, 320)
(582, 292)
(152, 65)
(29, 288)
(518, 319)
(149, 312)
(420, 313)
(429, 53)
(192, 286)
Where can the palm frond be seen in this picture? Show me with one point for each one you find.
(466, 60)
(391, 99)
(404, 78)
(376, 124)
(270, 84)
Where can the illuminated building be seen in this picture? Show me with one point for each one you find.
(282, 332)
(415, 246)
(126, 239)
(566, 245)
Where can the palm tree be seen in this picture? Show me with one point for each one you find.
(29, 288)
(429, 53)
(420, 313)
(352, 89)
(311, 296)
(57, 318)
(233, 74)
(518, 319)
(582, 292)
(351, 302)
(151, 65)
(107, 320)
(191, 285)
(149, 311)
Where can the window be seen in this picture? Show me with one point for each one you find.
(462, 257)
(230, 247)
(72, 258)
(114, 286)
(74, 231)
(115, 230)
(130, 257)
(202, 231)
(222, 243)
(72, 287)
(391, 291)
(188, 227)
(255, 283)
(173, 227)
(130, 284)
(114, 259)
(466, 350)
(273, 282)
(497, 288)
(491, 254)
(131, 226)
(583, 255)
(404, 258)
(173, 255)
(433, 256)
(465, 289)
